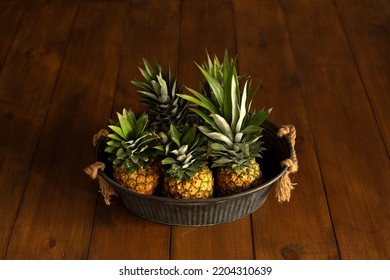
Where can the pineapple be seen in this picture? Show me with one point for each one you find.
(132, 151)
(159, 94)
(233, 130)
(185, 163)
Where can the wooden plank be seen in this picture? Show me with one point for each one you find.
(153, 32)
(118, 234)
(27, 81)
(208, 25)
(284, 231)
(11, 14)
(56, 216)
(353, 159)
(226, 241)
(366, 24)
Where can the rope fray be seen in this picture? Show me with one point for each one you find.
(284, 186)
(96, 137)
(106, 190)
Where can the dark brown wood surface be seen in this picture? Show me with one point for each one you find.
(66, 67)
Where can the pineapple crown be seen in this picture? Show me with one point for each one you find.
(159, 94)
(234, 131)
(185, 152)
(130, 143)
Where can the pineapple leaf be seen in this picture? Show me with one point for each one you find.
(223, 126)
(189, 136)
(216, 136)
(218, 146)
(173, 90)
(231, 108)
(127, 129)
(258, 118)
(148, 68)
(110, 149)
(221, 162)
(114, 136)
(251, 129)
(140, 125)
(120, 153)
(200, 100)
(253, 95)
(148, 95)
(159, 148)
(175, 135)
(238, 137)
(215, 86)
(117, 130)
(205, 117)
(230, 89)
(168, 161)
(243, 111)
(142, 85)
(114, 144)
(130, 117)
(182, 150)
(163, 86)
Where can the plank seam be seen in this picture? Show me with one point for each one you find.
(355, 62)
(310, 127)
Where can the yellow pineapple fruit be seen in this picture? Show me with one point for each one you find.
(131, 148)
(237, 180)
(185, 164)
(142, 180)
(200, 186)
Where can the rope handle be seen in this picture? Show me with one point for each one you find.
(96, 137)
(105, 188)
(93, 171)
(284, 186)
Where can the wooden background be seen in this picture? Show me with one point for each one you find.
(66, 67)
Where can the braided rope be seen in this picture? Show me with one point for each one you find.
(105, 188)
(96, 137)
(284, 186)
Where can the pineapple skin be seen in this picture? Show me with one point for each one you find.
(142, 180)
(200, 186)
(229, 181)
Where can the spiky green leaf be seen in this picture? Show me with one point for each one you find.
(243, 111)
(189, 136)
(175, 135)
(205, 117)
(114, 144)
(217, 136)
(168, 161)
(251, 129)
(140, 125)
(215, 86)
(258, 118)
(117, 130)
(125, 126)
(223, 126)
(114, 136)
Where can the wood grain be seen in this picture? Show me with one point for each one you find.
(367, 28)
(56, 216)
(66, 67)
(26, 85)
(208, 25)
(10, 17)
(284, 231)
(227, 241)
(118, 234)
(352, 155)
